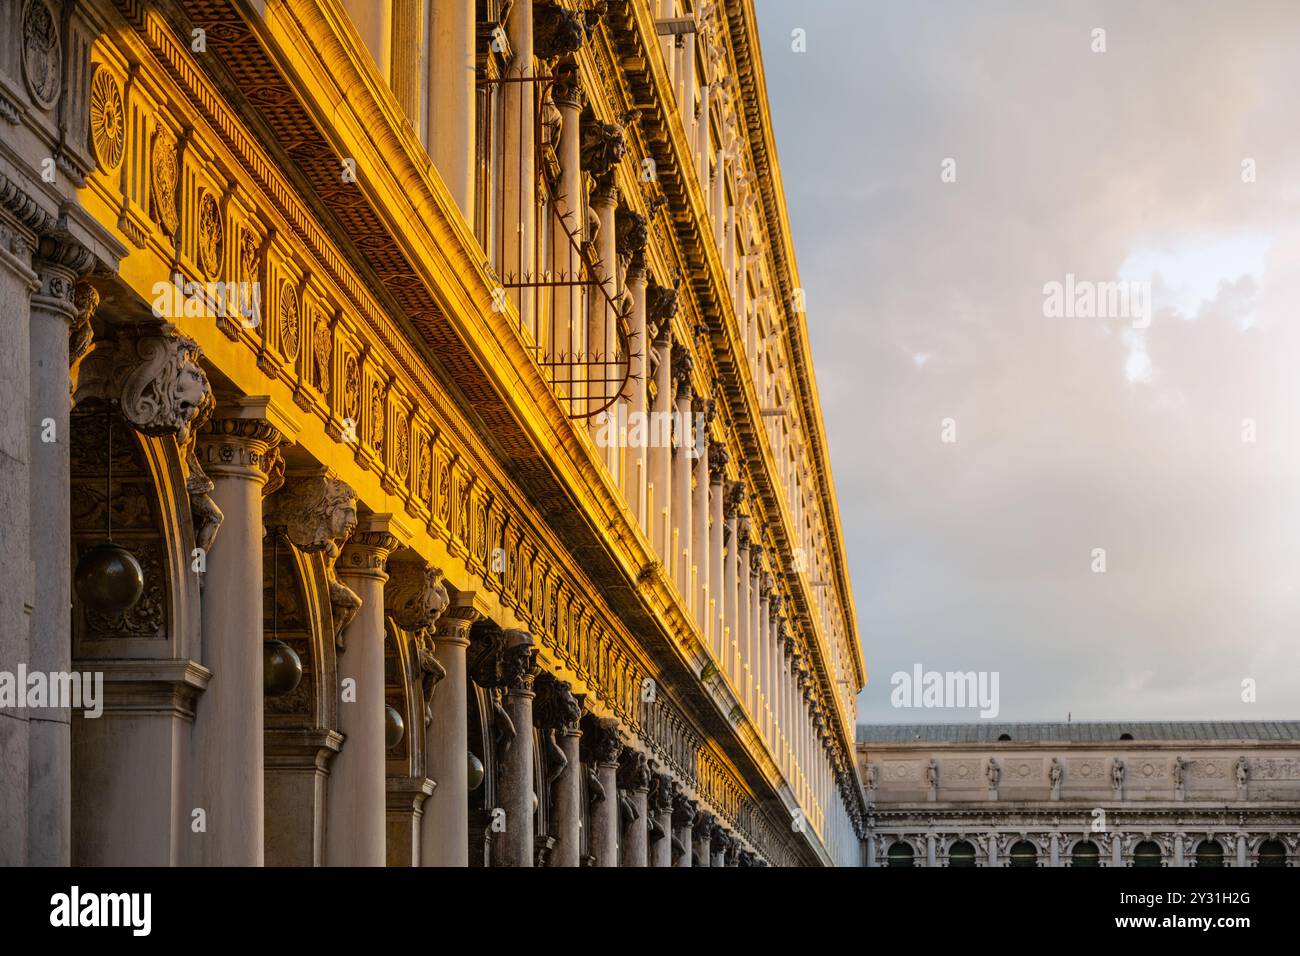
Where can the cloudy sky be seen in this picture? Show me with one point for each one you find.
(926, 302)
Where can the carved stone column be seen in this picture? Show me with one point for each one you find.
(701, 587)
(745, 672)
(683, 826)
(718, 458)
(316, 514)
(570, 332)
(444, 836)
(753, 628)
(720, 845)
(702, 834)
(356, 808)
(557, 713)
(506, 665)
(449, 131)
(519, 176)
(632, 237)
(660, 809)
(731, 581)
(682, 558)
(634, 785)
(238, 449)
(373, 20)
(414, 597)
(603, 742)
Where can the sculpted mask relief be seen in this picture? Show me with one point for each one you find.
(320, 514)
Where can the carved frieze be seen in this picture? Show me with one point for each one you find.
(164, 174)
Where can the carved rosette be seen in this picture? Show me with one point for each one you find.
(155, 376)
(211, 234)
(164, 173)
(42, 53)
(107, 120)
(290, 324)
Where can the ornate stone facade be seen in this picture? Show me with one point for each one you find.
(275, 413)
(1175, 794)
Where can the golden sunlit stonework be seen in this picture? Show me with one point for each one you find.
(361, 307)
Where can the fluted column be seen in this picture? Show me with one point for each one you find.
(632, 238)
(743, 611)
(660, 808)
(602, 322)
(661, 305)
(634, 787)
(764, 649)
(444, 836)
(238, 450)
(683, 364)
(717, 583)
(49, 800)
(683, 821)
(755, 623)
(569, 335)
(356, 805)
(731, 582)
(519, 202)
(449, 132)
(700, 532)
(604, 743)
(557, 712)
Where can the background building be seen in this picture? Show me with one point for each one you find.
(1090, 794)
(357, 305)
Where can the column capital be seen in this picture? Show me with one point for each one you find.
(718, 460)
(661, 792)
(455, 622)
(683, 808)
(376, 537)
(735, 492)
(704, 825)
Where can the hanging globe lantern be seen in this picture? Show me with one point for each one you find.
(475, 778)
(281, 668)
(108, 578)
(394, 727)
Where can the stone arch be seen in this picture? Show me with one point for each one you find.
(149, 655)
(299, 730)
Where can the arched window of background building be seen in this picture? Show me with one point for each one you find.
(1085, 853)
(1209, 853)
(961, 853)
(1004, 736)
(1126, 736)
(1272, 853)
(900, 854)
(1146, 853)
(1024, 853)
